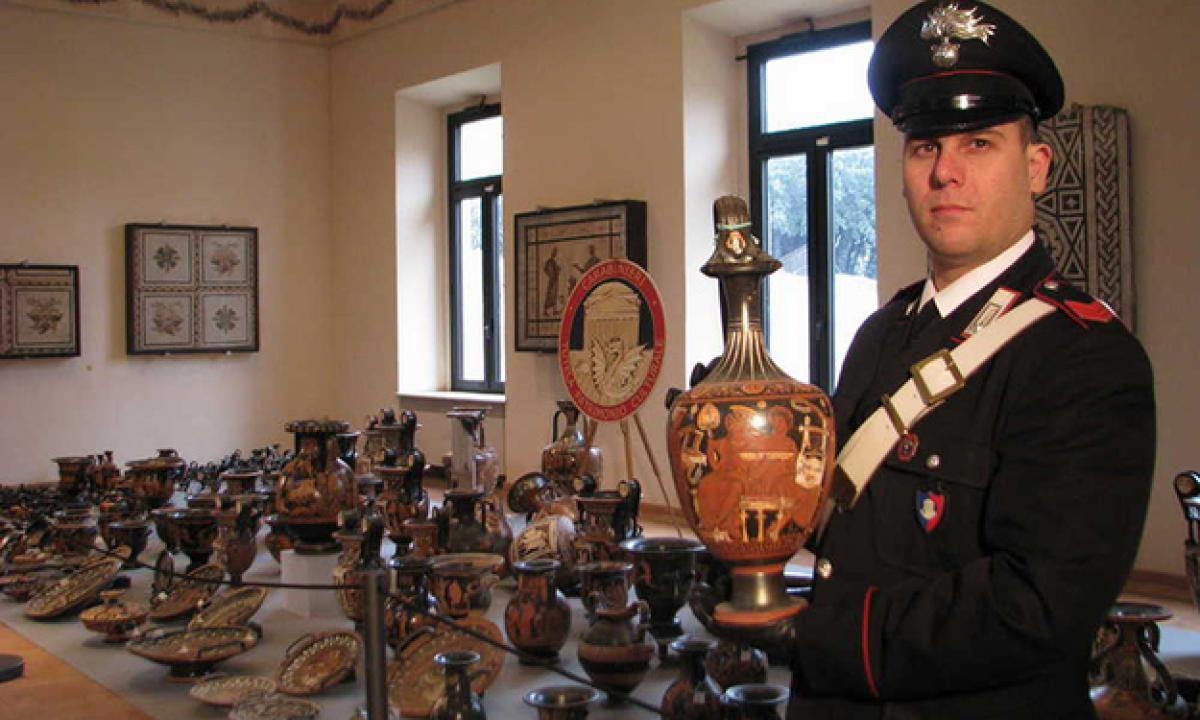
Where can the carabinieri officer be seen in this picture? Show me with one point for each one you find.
(999, 487)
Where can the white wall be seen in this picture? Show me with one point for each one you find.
(105, 122)
(1142, 57)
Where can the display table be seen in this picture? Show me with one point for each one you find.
(142, 683)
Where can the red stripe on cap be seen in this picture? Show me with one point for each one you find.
(953, 73)
(866, 641)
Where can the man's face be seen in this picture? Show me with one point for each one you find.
(971, 194)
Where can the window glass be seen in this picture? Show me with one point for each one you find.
(470, 289)
(481, 148)
(855, 272)
(786, 207)
(818, 87)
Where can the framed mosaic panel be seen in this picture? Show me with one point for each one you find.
(191, 289)
(556, 247)
(39, 311)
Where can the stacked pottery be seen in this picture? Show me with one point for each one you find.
(688, 698)
(569, 456)
(752, 450)
(664, 572)
(614, 652)
(563, 702)
(315, 487)
(537, 616)
(459, 701)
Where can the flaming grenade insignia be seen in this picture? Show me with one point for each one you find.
(947, 23)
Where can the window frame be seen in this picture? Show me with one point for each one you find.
(489, 189)
(817, 144)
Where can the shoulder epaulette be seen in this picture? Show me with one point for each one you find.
(1073, 302)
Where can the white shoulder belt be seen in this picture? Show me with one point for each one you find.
(934, 379)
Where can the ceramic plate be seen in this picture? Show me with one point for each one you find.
(190, 646)
(315, 662)
(232, 607)
(269, 706)
(73, 590)
(187, 593)
(415, 681)
(230, 690)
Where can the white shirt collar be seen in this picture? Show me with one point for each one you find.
(956, 293)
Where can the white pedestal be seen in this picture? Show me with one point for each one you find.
(309, 570)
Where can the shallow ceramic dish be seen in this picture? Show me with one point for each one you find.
(270, 706)
(114, 618)
(73, 590)
(22, 586)
(232, 607)
(415, 681)
(191, 654)
(314, 662)
(187, 593)
(229, 690)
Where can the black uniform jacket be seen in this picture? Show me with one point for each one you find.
(1042, 464)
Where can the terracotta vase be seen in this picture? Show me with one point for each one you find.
(347, 443)
(424, 534)
(1125, 690)
(688, 698)
(194, 531)
(569, 456)
(563, 702)
(758, 701)
(603, 584)
(164, 527)
(462, 523)
(409, 587)
(109, 476)
(152, 481)
(537, 616)
(462, 582)
(752, 450)
(401, 497)
(664, 570)
(236, 545)
(132, 533)
(733, 663)
(459, 701)
(73, 474)
(614, 652)
(351, 600)
(315, 487)
(548, 538)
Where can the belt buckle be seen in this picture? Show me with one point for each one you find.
(927, 394)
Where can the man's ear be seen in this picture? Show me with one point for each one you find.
(1039, 156)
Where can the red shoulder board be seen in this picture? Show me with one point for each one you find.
(1076, 304)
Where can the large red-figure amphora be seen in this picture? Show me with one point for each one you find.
(752, 450)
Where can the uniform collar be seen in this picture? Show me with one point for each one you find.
(949, 298)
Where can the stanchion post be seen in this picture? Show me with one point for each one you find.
(373, 590)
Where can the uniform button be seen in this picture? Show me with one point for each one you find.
(933, 462)
(824, 568)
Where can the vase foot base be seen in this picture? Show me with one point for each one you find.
(732, 617)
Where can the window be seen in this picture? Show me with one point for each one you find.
(476, 142)
(812, 193)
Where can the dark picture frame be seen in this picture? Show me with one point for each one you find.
(39, 311)
(555, 247)
(191, 289)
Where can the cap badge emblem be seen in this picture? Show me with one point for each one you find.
(947, 23)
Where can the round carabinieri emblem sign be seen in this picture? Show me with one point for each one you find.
(610, 343)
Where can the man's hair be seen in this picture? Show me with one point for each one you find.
(1028, 130)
